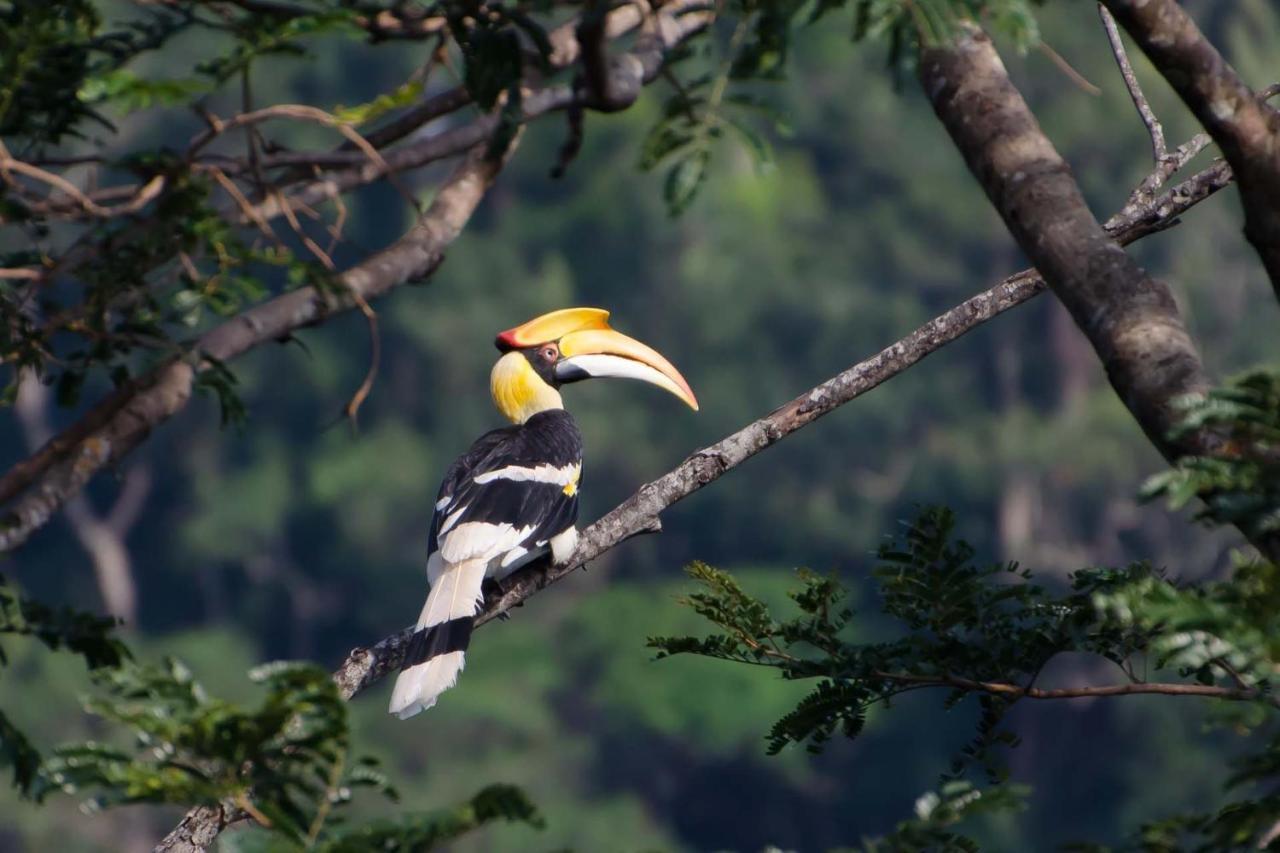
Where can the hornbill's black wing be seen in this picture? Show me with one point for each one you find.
(511, 492)
(456, 477)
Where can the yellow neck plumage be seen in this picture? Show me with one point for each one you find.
(518, 391)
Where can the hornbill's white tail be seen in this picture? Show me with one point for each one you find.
(435, 654)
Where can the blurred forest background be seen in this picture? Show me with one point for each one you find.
(290, 537)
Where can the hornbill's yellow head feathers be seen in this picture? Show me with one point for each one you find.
(567, 346)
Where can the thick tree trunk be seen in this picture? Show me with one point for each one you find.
(1130, 317)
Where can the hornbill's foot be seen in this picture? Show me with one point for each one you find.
(493, 589)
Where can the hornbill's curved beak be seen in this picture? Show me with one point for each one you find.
(589, 348)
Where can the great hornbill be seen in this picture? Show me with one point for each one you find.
(513, 497)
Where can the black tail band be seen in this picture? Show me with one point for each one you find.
(451, 636)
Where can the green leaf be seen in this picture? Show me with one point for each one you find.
(420, 833)
(364, 113)
(127, 90)
(685, 179)
(756, 144)
(218, 379)
(663, 140)
(1240, 484)
(938, 812)
(18, 754)
(84, 634)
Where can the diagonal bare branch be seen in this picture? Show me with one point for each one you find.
(102, 536)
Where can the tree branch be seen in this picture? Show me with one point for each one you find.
(1159, 151)
(101, 536)
(614, 83)
(411, 156)
(382, 25)
(566, 44)
(565, 50)
(1017, 691)
(595, 57)
(198, 829)
(1130, 318)
(1166, 162)
(425, 111)
(1239, 119)
(73, 197)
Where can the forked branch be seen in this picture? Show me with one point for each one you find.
(1239, 119)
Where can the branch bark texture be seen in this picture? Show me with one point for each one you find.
(198, 829)
(1240, 121)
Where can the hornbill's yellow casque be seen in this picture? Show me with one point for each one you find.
(513, 497)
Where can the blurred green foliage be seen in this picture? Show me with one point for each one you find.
(61, 628)
(938, 812)
(288, 539)
(1240, 824)
(1243, 486)
(285, 766)
(286, 762)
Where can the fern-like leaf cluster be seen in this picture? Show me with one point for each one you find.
(1239, 484)
(983, 633)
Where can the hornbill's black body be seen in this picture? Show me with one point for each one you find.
(548, 438)
(513, 496)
